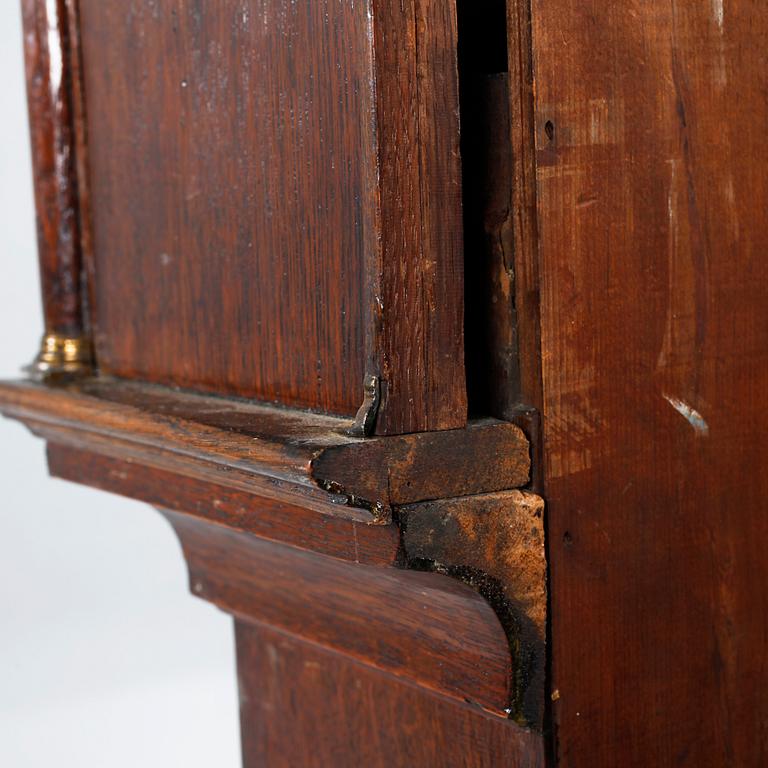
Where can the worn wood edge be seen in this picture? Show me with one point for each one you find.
(280, 519)
(274, 468)
(125, 438)
(438, 634)
(495, 543)
(524, 201)
(417, 337)
(487, 456)
(273, 451)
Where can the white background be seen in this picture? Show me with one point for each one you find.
(105, 659)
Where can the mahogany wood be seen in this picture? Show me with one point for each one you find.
(652, 194)
(421, 320)
(331, 532)
(305, 706)
(291, 177)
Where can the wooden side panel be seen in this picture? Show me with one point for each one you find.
(419, 334)
(301, 705)
(233, 176)
(276, 201)
(653, 191)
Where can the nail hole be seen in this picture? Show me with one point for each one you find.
(549, 129)
(567, 539)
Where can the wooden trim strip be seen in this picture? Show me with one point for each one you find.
(283, 454)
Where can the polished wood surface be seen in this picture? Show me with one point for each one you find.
(328, 529)
(283, 197)
(313, 708)
(47, 46)
(270, 205)
(652, 196)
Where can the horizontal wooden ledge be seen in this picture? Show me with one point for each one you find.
(291, 456)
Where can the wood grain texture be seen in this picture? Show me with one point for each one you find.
(48, 51)
(274, 519)
(653, 188)
(286, 455)
(486, 456)
(522, 132)
(420, 330)
(494, 542)
(425, 628)
(284, 196)
(305, 706)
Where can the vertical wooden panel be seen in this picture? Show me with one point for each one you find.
(305, 706)
(276, 201)
(653, 190)
(232, 164)
(419, 334)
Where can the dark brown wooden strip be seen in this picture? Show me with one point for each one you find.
(294, 456)
(487, 456)
(275, 519)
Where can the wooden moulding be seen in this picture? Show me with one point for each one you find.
(434, 631)
(281, 454)
(286, 519)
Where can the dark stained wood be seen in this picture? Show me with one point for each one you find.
(430, 630)
(47, 50)
(290, 456)
(330, 533)
(420, 314)
(495, 542)
(284, 198)
(487, 456)
(305, 706)
(522, 130)
(493, 370)
(653, 191)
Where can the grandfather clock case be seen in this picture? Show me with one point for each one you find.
(437, 330)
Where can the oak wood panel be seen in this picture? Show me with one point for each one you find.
(302, 705)
(280, 183)
(423, 627)
(653, 188)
